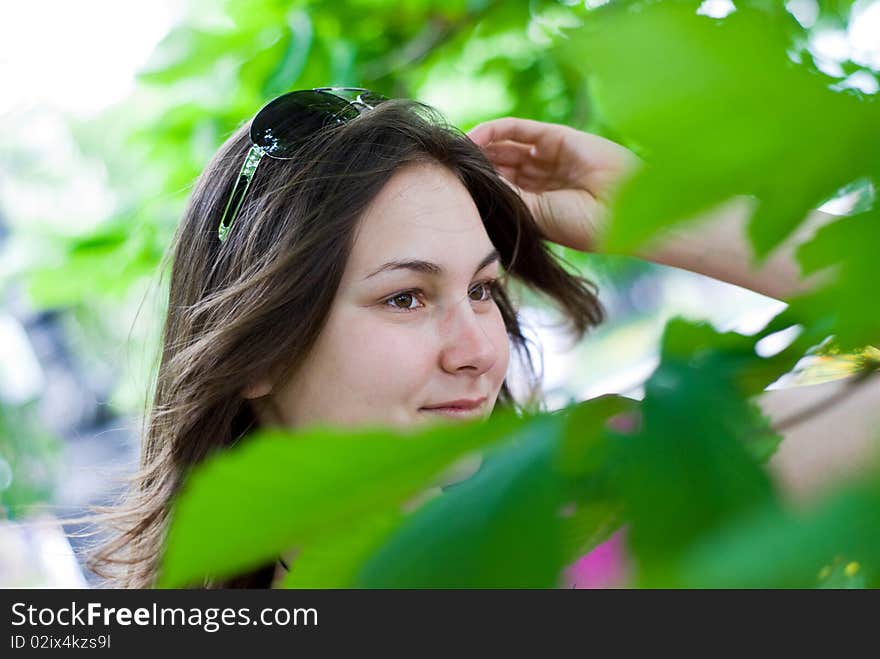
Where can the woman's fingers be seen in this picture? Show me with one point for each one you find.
(564, 176)
(546, 153)
(518, 179)
(526, 131)
(562, 156)
(510, 154)
(520, 157)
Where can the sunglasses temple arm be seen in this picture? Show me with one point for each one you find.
(239, 190)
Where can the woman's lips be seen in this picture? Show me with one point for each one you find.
(454, 412)
(458, 408)
(462, 403)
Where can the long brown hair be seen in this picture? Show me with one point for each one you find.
(255, 303)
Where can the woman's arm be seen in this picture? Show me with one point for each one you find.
(567, 178)
(717, 245)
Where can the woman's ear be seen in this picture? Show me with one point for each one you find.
(257, 390)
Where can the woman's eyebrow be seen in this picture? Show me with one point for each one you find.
(428, 267)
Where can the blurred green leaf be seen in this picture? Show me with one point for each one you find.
(689, 467)
(775, 548)
(718, 110)
(333, 561)
(588, 525)
(500, 528)
(340, 476)
(100, 265)
(848, 246)
(586, 447)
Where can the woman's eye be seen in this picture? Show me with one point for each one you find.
(484, 292)
(402, 301)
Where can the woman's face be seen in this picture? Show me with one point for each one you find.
(413, 324)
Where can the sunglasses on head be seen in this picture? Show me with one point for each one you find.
(282, 124)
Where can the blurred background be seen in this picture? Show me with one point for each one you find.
(110, 110)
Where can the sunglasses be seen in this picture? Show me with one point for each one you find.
(283, 123)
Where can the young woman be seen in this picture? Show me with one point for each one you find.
(355, 271)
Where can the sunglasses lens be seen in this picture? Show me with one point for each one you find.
(282, 125)
(372, 98)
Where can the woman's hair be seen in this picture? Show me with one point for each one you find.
(255, 303)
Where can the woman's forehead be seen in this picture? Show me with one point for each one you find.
(423, 213)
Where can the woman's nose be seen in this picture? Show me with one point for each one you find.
(466, 343)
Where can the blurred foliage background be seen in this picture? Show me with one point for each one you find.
(770, 99)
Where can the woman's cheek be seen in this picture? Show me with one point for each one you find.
(390, 348)
(502, 341)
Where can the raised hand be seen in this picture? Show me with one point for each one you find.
(564, 176)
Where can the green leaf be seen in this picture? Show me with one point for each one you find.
(718, 109)
(690, 468)
(585, 446)
(589, 462)
(100, 265)
(588, 525)
(499, 529)
(333, 561)
(775, 548)
(278, 490)
(849, 245)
